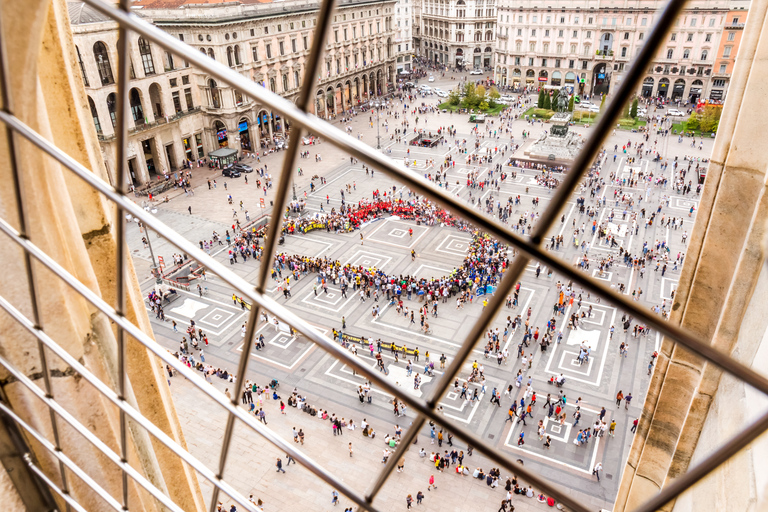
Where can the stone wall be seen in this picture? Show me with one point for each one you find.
(719, 299)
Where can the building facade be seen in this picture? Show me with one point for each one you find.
(458, 34)
(180, 114)
(403, 34)
(586, 46)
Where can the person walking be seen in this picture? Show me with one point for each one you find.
(431, 483)
(409, 501)
(279, 465)
(350, 449)
(619, 398)
(596, 471)
(634, 425)
(627, 399)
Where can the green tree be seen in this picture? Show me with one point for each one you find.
(553, 100)
(453, 97)
(602, 102)
(570, 104)
(484, 105)
(494, 93)
(540, 103)
(470, 96)
(694, 123)
(480, 91)
(710, 118)
(547, 102)
(633, 110)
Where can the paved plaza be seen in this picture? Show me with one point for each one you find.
(387, 245)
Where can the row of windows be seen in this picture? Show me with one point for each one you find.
(104, 67)
(613, 21)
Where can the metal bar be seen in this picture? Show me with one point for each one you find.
(68, 499)
(305, 95)
(74, 468)
(123, 405)
(405, 445)
(18, 185)
(435, 194)
(168, 359)
(298, 323)
(123, 61)
(702, 469)
(371, 156)
(273, 230)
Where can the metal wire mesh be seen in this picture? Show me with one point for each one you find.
(303, 121)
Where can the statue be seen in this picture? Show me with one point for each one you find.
(563, 98)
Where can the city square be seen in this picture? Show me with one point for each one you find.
(385, 244)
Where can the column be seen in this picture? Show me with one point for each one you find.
(36, 34)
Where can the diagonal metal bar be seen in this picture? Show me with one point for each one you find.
(168, 359)
(87, 434)
(21, 208)
(416, 183)
(289, 318)
(122, 404)
(405, 445)
(68, 499)
(705, 467)
(305, 97)
(273, 230)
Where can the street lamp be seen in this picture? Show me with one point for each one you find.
(377, 106)
(294, 190)
(154, 268)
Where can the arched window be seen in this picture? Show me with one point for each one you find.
(82, 68)
(285, 83)
(210, 53)
(272, 85)
(101, 55)
(94, 114)
(238, 98)
(296, 79)
(136, 108)
(215, 95)
(686, 53)
(230, 59)
(112, 108)
(704, 55)
(146, 57)
(237, 55)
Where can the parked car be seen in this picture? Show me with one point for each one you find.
(410, 84)
(431, 79)
(585, 105)
(477, 118)
(593, 108)
(675, 113)
(308, 141)
(475, 72)
(230, 172)
(243, 168)
(442, 94)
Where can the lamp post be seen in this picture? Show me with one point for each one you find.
(294, 190)
(154, 268)
(377, 106)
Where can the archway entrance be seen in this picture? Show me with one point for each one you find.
(648, 87)
(678, 90)
(245, 136)
(663, 90)
(221, 134)
(601, 79)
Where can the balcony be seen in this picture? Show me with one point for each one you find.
(148, 126)
(501, 35)
(734, 26)
(721, 75)
(604, 54)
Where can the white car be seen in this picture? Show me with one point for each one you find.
(437, 90)
(442, 94)
(584, 105)
(675, 113)
(642, 112)
(475, 72)
(593, 108)
(431, 79)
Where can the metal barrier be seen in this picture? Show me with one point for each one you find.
(304, 123)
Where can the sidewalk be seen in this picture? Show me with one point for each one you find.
(251, 462)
